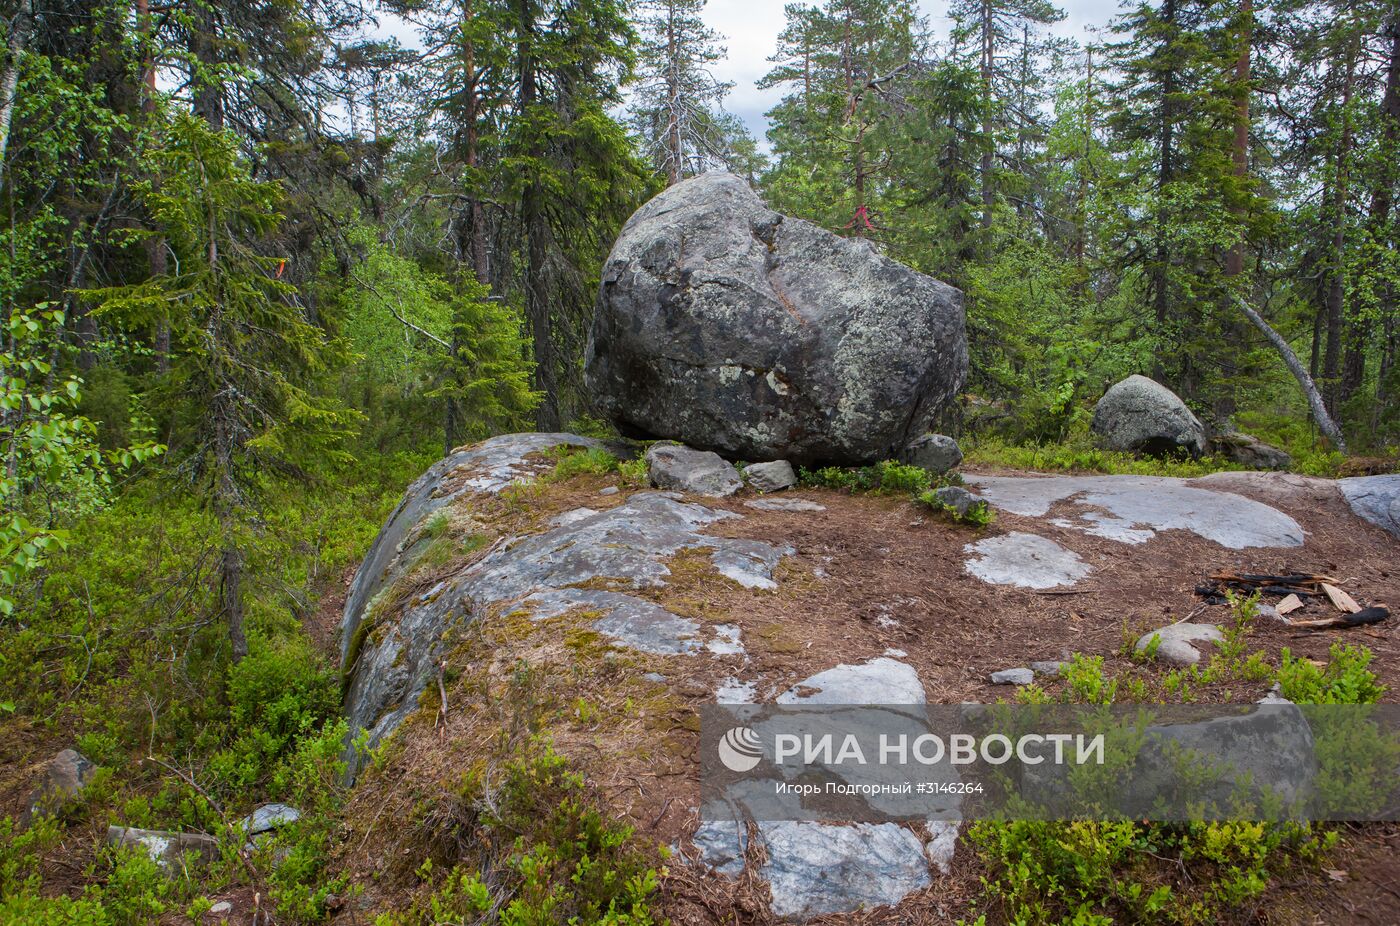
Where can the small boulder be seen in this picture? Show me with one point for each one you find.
(956, 498)
(1139, 415)
(937, 453)
(1177, 642)
(1020, 676)
(1250, 451)
(701, 472)
(65, 776)
(166, 849)
(770, 477)
(1049, 667)
(269, 817)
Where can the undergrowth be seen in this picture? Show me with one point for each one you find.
(1104, 871)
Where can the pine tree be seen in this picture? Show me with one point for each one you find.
(677, 101)
(245, 359)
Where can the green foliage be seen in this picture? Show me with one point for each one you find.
(885, 477)
(1346, 679)
(978, 514)
(578, 461)
(52, 461)
(1080, 455)
(564, 862)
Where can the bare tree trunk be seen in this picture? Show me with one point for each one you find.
(537, 309)
(1231, 334)
(9, 81)
(204, 48)
(1320, 414)
(675, 155)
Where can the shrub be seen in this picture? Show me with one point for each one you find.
(1344, 680)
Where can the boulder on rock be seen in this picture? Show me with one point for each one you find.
(937, 453)
(733, 328)
(1249, 450)
(701, 472)
(770, 477)
(1139, 415)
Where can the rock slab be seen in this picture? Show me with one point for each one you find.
(728, 326)
(1140, 415)
(1024, 560)
(1375, 499)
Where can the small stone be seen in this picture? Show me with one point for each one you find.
(956, 498)
(1049, 667)
(1020, 676)
(654, 677)
(1177, 645)
(608, 490)
(701, 472)
(1269, 612)
(937, 453)
(269, 817)
(220, 908)
(65, 776)
(770, 477)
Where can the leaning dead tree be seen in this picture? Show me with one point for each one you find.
(1319, 409)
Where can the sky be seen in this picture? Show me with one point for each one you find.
(750, 29)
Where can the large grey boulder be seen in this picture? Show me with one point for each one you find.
(1140, 415)
(730, 327)
(700, 472)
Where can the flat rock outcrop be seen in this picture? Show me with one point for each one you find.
(729, 327)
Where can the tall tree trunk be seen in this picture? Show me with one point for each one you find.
(154, 244)
(20, 26)
(1381, 205)
(1225, 403)
(675, 156)
(985, 71)
(1360, 329)
(208, 84)
(1166, 156)
(537, 309)
(1336, 282)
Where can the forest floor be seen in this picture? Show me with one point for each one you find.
(870, 576)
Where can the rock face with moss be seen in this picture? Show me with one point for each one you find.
(730, 327)
(392, 643)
